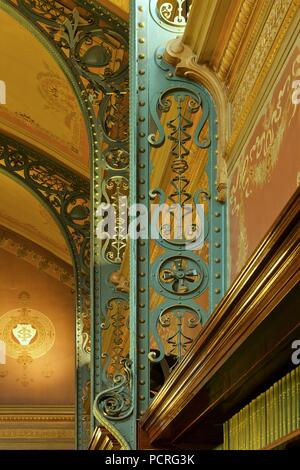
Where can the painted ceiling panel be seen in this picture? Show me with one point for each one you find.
(21, 212)
(120, 7)
(41, 106)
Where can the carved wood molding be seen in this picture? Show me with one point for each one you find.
(270, 275)
(236, 37)
(37, 427)
(36, 256)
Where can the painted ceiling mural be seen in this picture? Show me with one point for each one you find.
(41, 106)
(264, 178)
(120, 7)
(22, 213)
(37, 325)
(37, 256)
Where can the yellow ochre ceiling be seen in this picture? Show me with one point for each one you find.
(120, 7)
(41, 107)
(22, 213)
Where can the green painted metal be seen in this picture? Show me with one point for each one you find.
(179, 275)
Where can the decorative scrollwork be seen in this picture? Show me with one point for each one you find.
(175, 321)
(116, 159)
(175, 12)
(114, 323)
(171, 15)
(67, 197)
(179, 274)
(115, 190)
(114, 112)
(115, 403)
(50, 10)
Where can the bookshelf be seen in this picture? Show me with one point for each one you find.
(242, 351)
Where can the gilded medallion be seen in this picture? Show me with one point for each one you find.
(26, 331)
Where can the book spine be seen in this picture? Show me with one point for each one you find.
(256, 423)
(284, 406)
(263, 426)
(288, 403)
(250, 427)
(226, 435)
(293, 399)
(276, 411)
(267, 417)
(272, 414)
(247, 434)
(243, 443)
(280, 417)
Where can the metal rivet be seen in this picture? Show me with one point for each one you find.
(142, 165)
(142, 72)
(217, 276)
(141, 397)
(141, 25)
(142, 150)
(141, 88)
(142, 289)
(142, 243)
(217, 214)
(142, 197)
(217, 260)
(141, 181)
(142, 305)
(141, 40)
(142, 382)
(217, 245)
(142, 103)
(141, 119)
(142, 134)
(142, 56)
(217, 229)
(141, 366)
(142, 274)
(142, 351)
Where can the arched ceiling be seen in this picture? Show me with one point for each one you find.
(41, 108)
(22, 213)
(119, 7)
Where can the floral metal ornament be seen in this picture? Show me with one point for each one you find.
(171, 15)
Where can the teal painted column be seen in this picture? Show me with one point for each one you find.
(179, 276)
